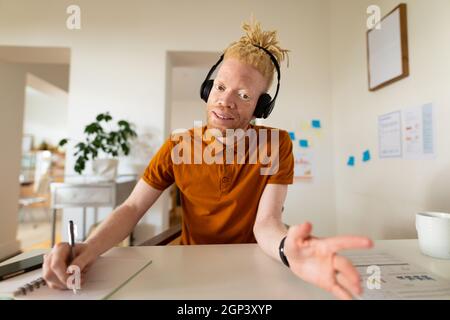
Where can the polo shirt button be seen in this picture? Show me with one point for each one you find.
(225, 180)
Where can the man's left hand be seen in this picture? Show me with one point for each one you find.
(316, 260)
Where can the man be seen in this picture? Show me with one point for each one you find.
(228, 201)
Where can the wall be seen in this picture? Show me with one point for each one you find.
(12, 84)
(381, 197)
(56, 74)
(185, 112)
(186, 105)
(45, 117)
(118, 63)
(305, 94)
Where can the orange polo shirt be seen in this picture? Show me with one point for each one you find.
(220, 200)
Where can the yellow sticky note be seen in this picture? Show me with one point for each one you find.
(304, 126)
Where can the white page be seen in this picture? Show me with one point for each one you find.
(398, 279)
(105, 276)
(419, 132)
(390, 135)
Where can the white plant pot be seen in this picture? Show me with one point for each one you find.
(105, 169)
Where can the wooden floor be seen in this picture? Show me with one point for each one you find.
(34, 232)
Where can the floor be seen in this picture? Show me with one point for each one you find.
(34, 230)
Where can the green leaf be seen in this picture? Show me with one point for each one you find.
(62, 142)
(123, 123)
(125, 148)
(97, 142)
(107, 117)
(78, 169)
(79, 164)
(81, 146)
(92, 128)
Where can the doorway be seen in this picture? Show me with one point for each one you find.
(185, 73)
(44, 74)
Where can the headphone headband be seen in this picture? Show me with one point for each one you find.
(277, 67)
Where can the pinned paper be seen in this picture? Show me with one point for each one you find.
(303, 143)
(292, 135)
(351, 161)
(366, 156)
(316, 124)
(303, 165)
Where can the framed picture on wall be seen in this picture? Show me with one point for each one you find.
(387, 49)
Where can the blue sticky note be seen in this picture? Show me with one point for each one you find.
(303, 143)
(366, 156)
(292, 135)
(351, 161)
(316, 124)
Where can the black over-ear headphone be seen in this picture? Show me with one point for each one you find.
(265, 103)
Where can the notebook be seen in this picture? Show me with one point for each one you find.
(105, 277)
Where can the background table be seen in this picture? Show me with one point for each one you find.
(85, 193)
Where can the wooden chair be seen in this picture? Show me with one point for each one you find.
(170, 236)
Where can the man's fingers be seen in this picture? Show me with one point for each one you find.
(345, 267)
(51, 279)
(348, 242)
(58, 263)
(300, 232)
(296, 237)
(340, 292)
(348, 284)
(55, 285)
(80, 261)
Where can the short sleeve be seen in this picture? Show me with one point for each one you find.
(285, 173)
(159, 172)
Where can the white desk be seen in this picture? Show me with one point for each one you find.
(236, 272)
(215, 272)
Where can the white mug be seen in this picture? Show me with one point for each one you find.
(433, 230)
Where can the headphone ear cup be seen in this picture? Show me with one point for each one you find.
(263, 105)
(269, 109)
(205, 89)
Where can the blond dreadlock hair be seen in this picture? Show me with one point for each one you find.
(244, 50)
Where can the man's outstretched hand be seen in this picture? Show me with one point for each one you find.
(316, 260)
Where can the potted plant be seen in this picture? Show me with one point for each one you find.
(102, 146)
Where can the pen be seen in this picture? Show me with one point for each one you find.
(72, 245)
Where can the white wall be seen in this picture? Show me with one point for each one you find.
(186, 105)
(56, 74)
(45, 117)
(305, 95)
(185, 112)
(118, 63)
(381, 198)
(12, 84)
